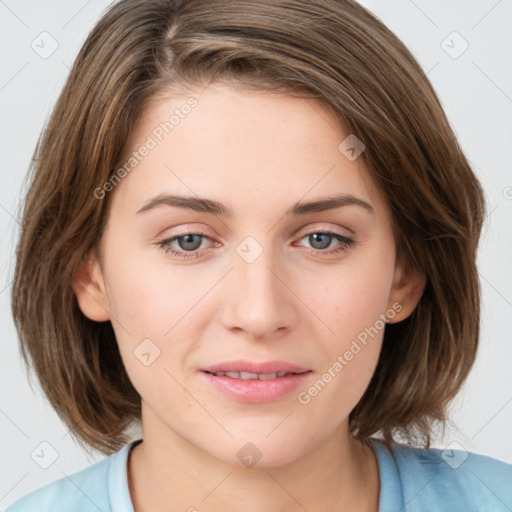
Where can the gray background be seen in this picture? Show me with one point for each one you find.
(475, 87)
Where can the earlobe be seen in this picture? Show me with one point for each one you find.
(89, 288)
(408, 286)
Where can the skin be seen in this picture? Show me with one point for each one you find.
(257, 153)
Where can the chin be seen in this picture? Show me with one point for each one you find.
(260, 453)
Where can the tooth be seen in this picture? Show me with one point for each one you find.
(266, 376)
(248, 375)
(251, 376)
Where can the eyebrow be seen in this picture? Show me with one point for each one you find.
(204, 205)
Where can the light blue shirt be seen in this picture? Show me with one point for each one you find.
(411, 480)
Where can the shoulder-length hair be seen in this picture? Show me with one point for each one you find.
(335, 51)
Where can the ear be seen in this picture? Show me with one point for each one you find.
(89, 288)
(408, 286)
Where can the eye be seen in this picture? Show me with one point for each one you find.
(188, 243)
(321, 239)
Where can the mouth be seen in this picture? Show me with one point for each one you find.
(255, 368)
(254, 376)
(250, 382)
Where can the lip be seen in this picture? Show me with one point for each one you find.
(254, 367)
(256, 391)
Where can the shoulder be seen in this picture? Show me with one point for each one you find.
(85, 491)
(454, 479)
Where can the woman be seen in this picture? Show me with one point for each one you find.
(251, 230)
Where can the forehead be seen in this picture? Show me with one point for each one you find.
(249, 149)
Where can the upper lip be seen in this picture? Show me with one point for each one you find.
(254, 367)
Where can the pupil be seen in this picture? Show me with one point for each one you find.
(189, 239)
(314, 239)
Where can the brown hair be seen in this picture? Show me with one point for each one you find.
(332, 50)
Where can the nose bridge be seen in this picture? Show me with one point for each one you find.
(256, 268)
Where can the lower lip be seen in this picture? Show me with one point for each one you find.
(257, 391)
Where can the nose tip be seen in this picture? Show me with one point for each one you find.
(258, 301)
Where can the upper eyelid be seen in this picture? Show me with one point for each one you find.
(306, 231)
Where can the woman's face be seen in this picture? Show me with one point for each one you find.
(247, 272)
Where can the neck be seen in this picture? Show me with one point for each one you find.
(166, 472)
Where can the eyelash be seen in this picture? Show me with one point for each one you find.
(165, 244)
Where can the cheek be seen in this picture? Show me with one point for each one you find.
(351, 354)
(357, 306)
(156, 310)
(352, 299)
(353, 307)
(152, 329)
(149, 299)
(356, 320)
(139, 305)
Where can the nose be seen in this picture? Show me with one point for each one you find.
(259, 298)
